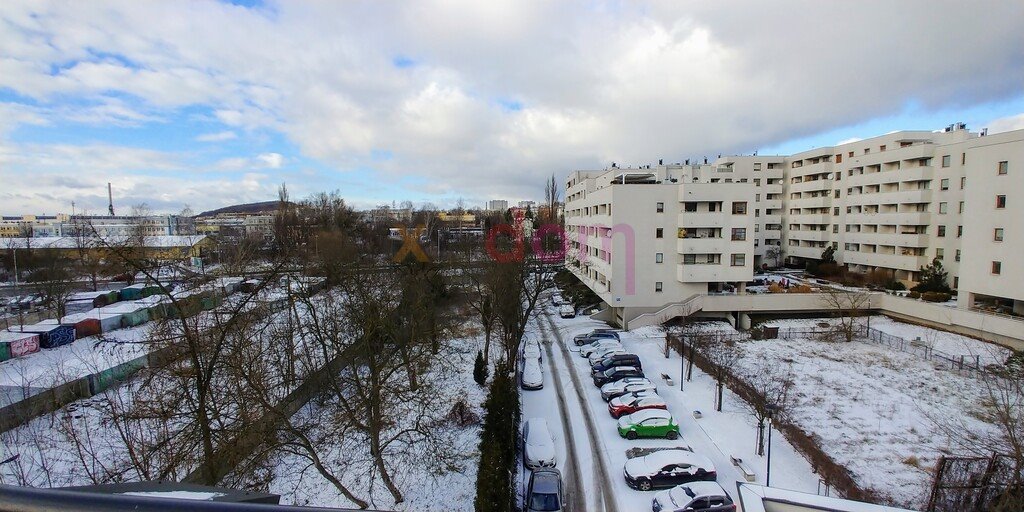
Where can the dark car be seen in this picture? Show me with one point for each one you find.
(596, 334)
(616, 373)
(667, 468)
(616, 360)
(544, 492)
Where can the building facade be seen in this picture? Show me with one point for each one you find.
(32, 225)
(497, 205)
(894, 202)
(131, 225)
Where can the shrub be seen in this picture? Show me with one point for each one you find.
(494, 487)
(800, 289)
(775, 288)
(935, 296)
(895, 285)
(827, 270)
(914, 295)
(480, 369)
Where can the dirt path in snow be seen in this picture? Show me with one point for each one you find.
(605, 496)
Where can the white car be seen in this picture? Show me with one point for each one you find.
(556, 300)
(627, 385)
(599, 345)
(597, 357)
(532, 377)
(531, 350)
(566, 311)
(538, 445)
(709, 495)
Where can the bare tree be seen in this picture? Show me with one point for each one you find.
(772, 386)
(722, 355)
(551, 199)
(846, 306)
(774, 253)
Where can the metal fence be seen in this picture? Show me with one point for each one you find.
(977, 484)
(922, 349)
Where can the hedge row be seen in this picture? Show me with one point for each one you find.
(495, 489)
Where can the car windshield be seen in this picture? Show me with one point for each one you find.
(547, 502)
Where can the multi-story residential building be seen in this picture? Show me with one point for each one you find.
(497, 205)
(894, 202)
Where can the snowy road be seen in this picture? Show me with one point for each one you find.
(591, 452)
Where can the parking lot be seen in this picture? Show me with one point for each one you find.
(592, 454)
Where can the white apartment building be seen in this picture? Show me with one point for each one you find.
(128, 225)
(497, 205)
(892, 202)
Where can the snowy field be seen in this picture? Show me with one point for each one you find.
(427, 482)
(878, 411)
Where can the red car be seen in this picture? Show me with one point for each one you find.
(633, 402)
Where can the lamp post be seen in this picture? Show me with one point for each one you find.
(17, 293)
(768, 474)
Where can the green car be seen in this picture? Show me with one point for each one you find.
(649, 423)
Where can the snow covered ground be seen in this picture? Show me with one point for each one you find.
(874, 409)
(717, 436)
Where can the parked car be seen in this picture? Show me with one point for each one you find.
(531, 350)
(544, 492)
(566, 311)
(600, 344)
(633, 402)
(596, 334)
(616, 373)
(667, 468)
(556, 299)
(630, 385)
(648, 423)
(695, 497)
(623, 359)
(600, 355)
(538, 445)
(532, 377)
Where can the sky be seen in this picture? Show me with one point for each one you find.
(206, 104)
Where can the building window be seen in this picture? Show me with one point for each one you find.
(1000, 201)
(882, 147)
(939, 253)
(835, 211)
(944, 184)
(739, 208)
(739, 233)
(942, 231)
(963, 182)
(757, 212)
(659, 233)
(657, 286)
(738, 260)
(943, 207)
(945, 160)
(757, 197)
(757, 228)
(689, 207)
(689, 259)
(659, 257)
(956, 282)
(835, 228)
(959, 231)
(961, 209)
(998, 235)
(1004, 167)
(839, 158)
(957, 255)
(661, 208)
(997, 267)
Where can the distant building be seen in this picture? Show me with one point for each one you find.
(497, 205)
(32, 225)
(385, 213)
(528, 204)
(128, 225)
(159, 247)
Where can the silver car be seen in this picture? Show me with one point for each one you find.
(538, 445)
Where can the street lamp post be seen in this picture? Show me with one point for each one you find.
(768, 473)
(17, 292)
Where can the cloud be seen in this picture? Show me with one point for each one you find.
(217, 136)
(1005, 124)
(485, 99)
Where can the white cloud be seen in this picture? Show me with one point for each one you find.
(598, 82)
(1006, 124)
(217, 136)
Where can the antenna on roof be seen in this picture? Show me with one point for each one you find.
(110, 199)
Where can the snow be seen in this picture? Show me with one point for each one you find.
(178, 495)
(717, 436)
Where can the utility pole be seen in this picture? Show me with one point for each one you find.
(768, 472)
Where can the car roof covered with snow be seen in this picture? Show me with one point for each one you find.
(646, 414)
(654, 462)
(696, 490)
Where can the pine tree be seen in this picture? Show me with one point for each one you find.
(480, 369)
(933, 278)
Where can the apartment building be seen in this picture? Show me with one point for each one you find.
(130, 225)
(16, 226)
(497, 205)
(894, 202)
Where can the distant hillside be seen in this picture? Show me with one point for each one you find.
(264, 206)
